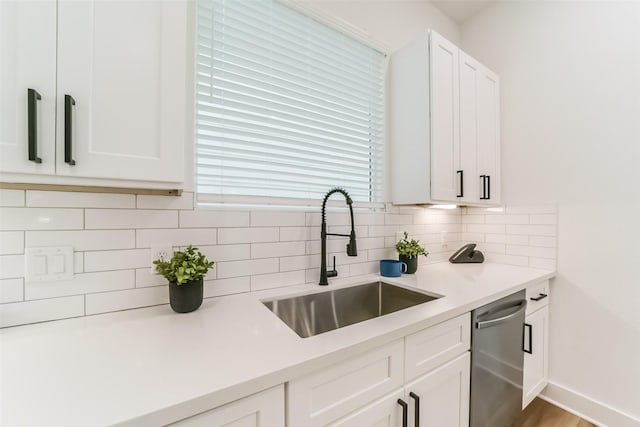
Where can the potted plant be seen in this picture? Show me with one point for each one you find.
(408, 251)
(184, 271)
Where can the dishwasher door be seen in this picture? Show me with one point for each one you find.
(496, 362)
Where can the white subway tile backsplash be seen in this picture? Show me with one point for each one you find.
(40, 219)
(227, 252)
(543, 219)
(281, 249)
(105, 219)
(292, 234)
(11, 290)
(11, 266)
(247, 268)
(175, 237)
(146, 277)
(11, 242)
(532, 251)
(277, 280)
(248, 235)
(507, 219)
(532, 230)
(22, 313)
(14, 198)
(213, 219)
(302, 262)
(84, 283)
(116, 260)
(542, 241)
(83, 240)
(219, 287)
(274, 218)
(123, 300)
(260, 249)
(486, 228)
(184, 201)
(64, 199)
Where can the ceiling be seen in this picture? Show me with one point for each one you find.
(460, 10)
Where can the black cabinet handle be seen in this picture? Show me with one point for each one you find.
(32, 124)
(416, 420)
(405, 410)
(530, 350)
(539, 297)
(488, 187)
(461, 176)
(69, 102)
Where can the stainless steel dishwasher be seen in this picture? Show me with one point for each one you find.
(496, 361)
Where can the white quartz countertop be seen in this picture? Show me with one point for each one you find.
(152, 366)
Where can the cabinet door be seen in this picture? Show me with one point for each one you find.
(489, 135)
(27, 61)
(445, 137)
(535, 363)
(385, 412)
(443, 395)
(259, 410)
(123, 63)
(470, 74)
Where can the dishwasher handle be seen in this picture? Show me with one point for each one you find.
(520, 307)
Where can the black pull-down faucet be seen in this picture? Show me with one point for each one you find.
(352, 249)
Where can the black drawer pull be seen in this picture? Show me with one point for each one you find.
(69, 102)
(461, 175)
(32, 124)
(416, 421)
(530, 349)
(539, 297)
(405, 409)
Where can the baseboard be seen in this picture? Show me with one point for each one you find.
(585, 407)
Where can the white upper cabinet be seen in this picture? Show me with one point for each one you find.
(119, 109)
(27, 82)
(445, 118)
(445, 145)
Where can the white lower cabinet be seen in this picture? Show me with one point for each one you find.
(432, 365)
(441, 398)
(264, 409)
(536, 342)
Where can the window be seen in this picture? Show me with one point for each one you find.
(286, 107)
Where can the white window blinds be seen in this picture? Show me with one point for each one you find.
(286, 106)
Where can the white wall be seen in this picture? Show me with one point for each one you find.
(571, 133)
(393, 22)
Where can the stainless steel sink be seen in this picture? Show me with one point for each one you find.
(320, 312)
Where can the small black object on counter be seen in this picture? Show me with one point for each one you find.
(467, 254)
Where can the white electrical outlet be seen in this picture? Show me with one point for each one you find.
(163, 252)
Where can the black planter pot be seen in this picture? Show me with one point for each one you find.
(412, 263)
(186, 297)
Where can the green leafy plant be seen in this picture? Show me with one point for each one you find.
(410, 248)
(184, 266)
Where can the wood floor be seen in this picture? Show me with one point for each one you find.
(541, 413)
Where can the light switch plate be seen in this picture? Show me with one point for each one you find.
(48, 264)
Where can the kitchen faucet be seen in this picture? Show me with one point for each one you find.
(352, 250)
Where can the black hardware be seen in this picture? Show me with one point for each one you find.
(405, 410)
(416, 421)
(484, 187)
(69, 102)
(530, 350)
(32, 124)
(352, 249)
(488, 187)
(461, 175)
(539, 297)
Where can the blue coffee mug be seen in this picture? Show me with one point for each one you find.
(392, 268)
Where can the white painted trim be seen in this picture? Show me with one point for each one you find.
(338, 24)
(585, 407)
